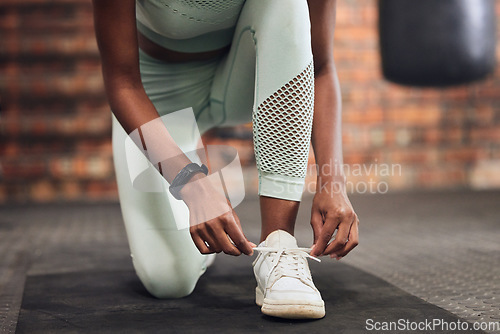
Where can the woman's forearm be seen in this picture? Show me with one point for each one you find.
(131, 106)
(327, 126)
(135, 111)
(116, 34)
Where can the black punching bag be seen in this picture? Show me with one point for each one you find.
(437, 42)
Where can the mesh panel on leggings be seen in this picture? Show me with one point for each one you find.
(282, 127)
(205, 11)
(216, 6)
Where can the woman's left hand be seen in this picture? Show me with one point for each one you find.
(331, 210)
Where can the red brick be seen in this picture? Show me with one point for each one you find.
(363, 116)
(9, 149)
(430, 95)
(413, 114)
(94, 146)
(71, 190)
(61, 167)
(414, 157)
(491, 92)
(19, 169)
(442, 176)
(361, 157)
(463, 154)
(43, 191)
(485, 134)
(443, 135)
(458, 93)
(485, 114)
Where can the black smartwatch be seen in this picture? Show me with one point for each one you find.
(184, 176)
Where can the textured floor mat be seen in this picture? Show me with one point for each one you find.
(223, 302)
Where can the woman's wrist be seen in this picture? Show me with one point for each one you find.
(195, 188)
(330, 184)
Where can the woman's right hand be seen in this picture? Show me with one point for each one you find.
(213, 222)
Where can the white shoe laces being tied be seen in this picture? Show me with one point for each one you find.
(289, 266)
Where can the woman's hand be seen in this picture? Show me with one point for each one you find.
(214, 225)
(331, 210)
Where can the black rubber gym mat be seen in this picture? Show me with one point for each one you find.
(223, 302)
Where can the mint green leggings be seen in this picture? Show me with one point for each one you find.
(267, 78)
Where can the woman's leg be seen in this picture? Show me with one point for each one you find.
(277, 214)
(279, 32)
(267, 77)
(163, 253)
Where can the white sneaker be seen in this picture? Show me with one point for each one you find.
(285, 288)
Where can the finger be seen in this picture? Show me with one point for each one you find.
(233, 230)
(198, 241)
(340, 240)
(342, 236)
(326, 233)
(353, 240)
(227, 245)
(237, 219)
(213, 244)
(316, 224)
(218, 233)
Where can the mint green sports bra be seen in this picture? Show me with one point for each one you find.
(188, 25)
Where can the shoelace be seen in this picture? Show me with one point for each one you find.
(288, 265)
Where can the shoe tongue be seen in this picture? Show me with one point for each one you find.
(281, 239)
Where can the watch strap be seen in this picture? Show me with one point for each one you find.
(183, 177)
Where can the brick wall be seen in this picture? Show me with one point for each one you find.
(55, 122)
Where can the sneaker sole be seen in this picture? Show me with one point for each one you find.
(290, 309)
